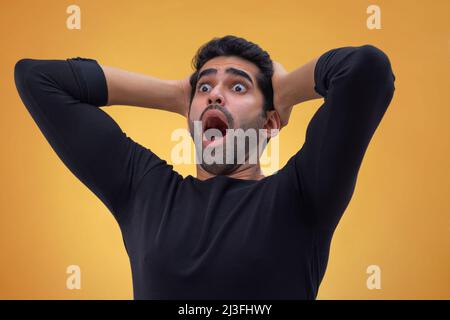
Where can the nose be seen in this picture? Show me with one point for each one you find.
(216, 97)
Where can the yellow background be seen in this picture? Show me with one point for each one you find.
(398, 217)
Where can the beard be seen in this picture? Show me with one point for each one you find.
(237, 147)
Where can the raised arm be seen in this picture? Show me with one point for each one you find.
(63, 98)
(135, 89)
(357, 84)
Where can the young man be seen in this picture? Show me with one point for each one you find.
(230, 232)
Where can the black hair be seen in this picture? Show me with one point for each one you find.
(234, 46)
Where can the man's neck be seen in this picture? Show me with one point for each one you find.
(252, 172)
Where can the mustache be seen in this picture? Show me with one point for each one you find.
(224, 110)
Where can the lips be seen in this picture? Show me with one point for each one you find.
(215, 119)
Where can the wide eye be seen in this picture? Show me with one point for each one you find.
(203, 87)
(239, 87)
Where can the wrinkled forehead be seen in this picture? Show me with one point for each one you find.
(221, 63)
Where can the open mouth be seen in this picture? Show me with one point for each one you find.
(214, 119)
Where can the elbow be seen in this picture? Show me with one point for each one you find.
(371, 75)
(22, 71)
(374, 67)
(21, 68)
(26, 78)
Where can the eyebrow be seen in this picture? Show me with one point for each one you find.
(231, 70)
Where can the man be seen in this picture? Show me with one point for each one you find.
(229, 233)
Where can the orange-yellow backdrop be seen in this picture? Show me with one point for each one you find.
(398, 218)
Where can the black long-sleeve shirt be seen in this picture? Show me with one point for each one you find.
(222, 238)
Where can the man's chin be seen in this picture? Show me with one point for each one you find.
(220, 169)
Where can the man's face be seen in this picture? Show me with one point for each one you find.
(226, 97)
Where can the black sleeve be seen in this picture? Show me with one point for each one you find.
(63, 98)
(357, 84)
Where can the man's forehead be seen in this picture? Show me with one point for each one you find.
(222, 62)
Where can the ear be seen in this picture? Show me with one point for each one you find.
(272, 122)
